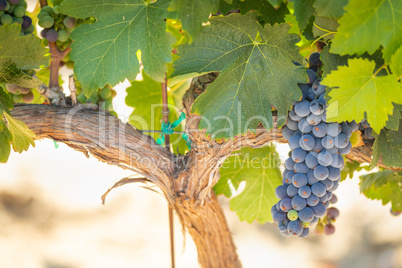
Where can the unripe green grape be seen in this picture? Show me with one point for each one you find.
(30, 29)
(106, 93)
(12, 88)
(70, 64)
(46, 22)
(1, 13)
(69, 22)
(19, 11)
(11, 9)
(63, 36)
(114, 93)
(28, 98)
(293, 215)
(47, 9)
(17, 98)
(18, 20)
(42, 14)
(23, 3)
(56, 10)
(7, 8)
(306, 224)
(6, 19)
(24, 90)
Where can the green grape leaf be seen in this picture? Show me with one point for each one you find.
(259, 168)
(256, 73)
(367, 25)
(6, 102)
(28, 54)
(145, 96)
(393, 120)
(22, 136)
(359, 91)
(330, 8)
(268, 13)
(333, 61)
(325, 27)
(5, 138)
(303, 11)
(391, 156)
(384, 186)
(105, 52)
(275, 3)
(192, 13)
(225, 7)
(349, 169)
(395, 138)
(396, 62)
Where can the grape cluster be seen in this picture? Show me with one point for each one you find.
(20, 94)
(102, 97)
(313, 170)
(57, 27)
(13, 11)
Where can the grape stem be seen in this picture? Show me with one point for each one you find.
(43, 3)
(57, 55)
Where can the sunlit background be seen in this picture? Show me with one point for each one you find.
(51, 216)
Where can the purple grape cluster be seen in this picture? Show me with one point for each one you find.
(313, 170)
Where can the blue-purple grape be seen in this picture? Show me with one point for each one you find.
(306, 214)
(318, 189)
(299, 180)
(304, 191)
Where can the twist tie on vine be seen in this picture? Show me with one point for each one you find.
(167, 129)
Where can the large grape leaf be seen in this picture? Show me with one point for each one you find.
(256, 73)
(325, 27)
(5, 139)
(393, 120)
(359, 91)
(303, 11)
(105, 52)
(21, 135)
(391, 155)
(192, 13)
(271, 11)
(268, 13)
(367, 25)
(18, 53)
(383, 185)
(396, 62)
(330, 8)
(276, 3)
(259, 168)
(6, 102)
(333, 61)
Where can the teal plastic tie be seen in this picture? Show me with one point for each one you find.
(167, 129)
